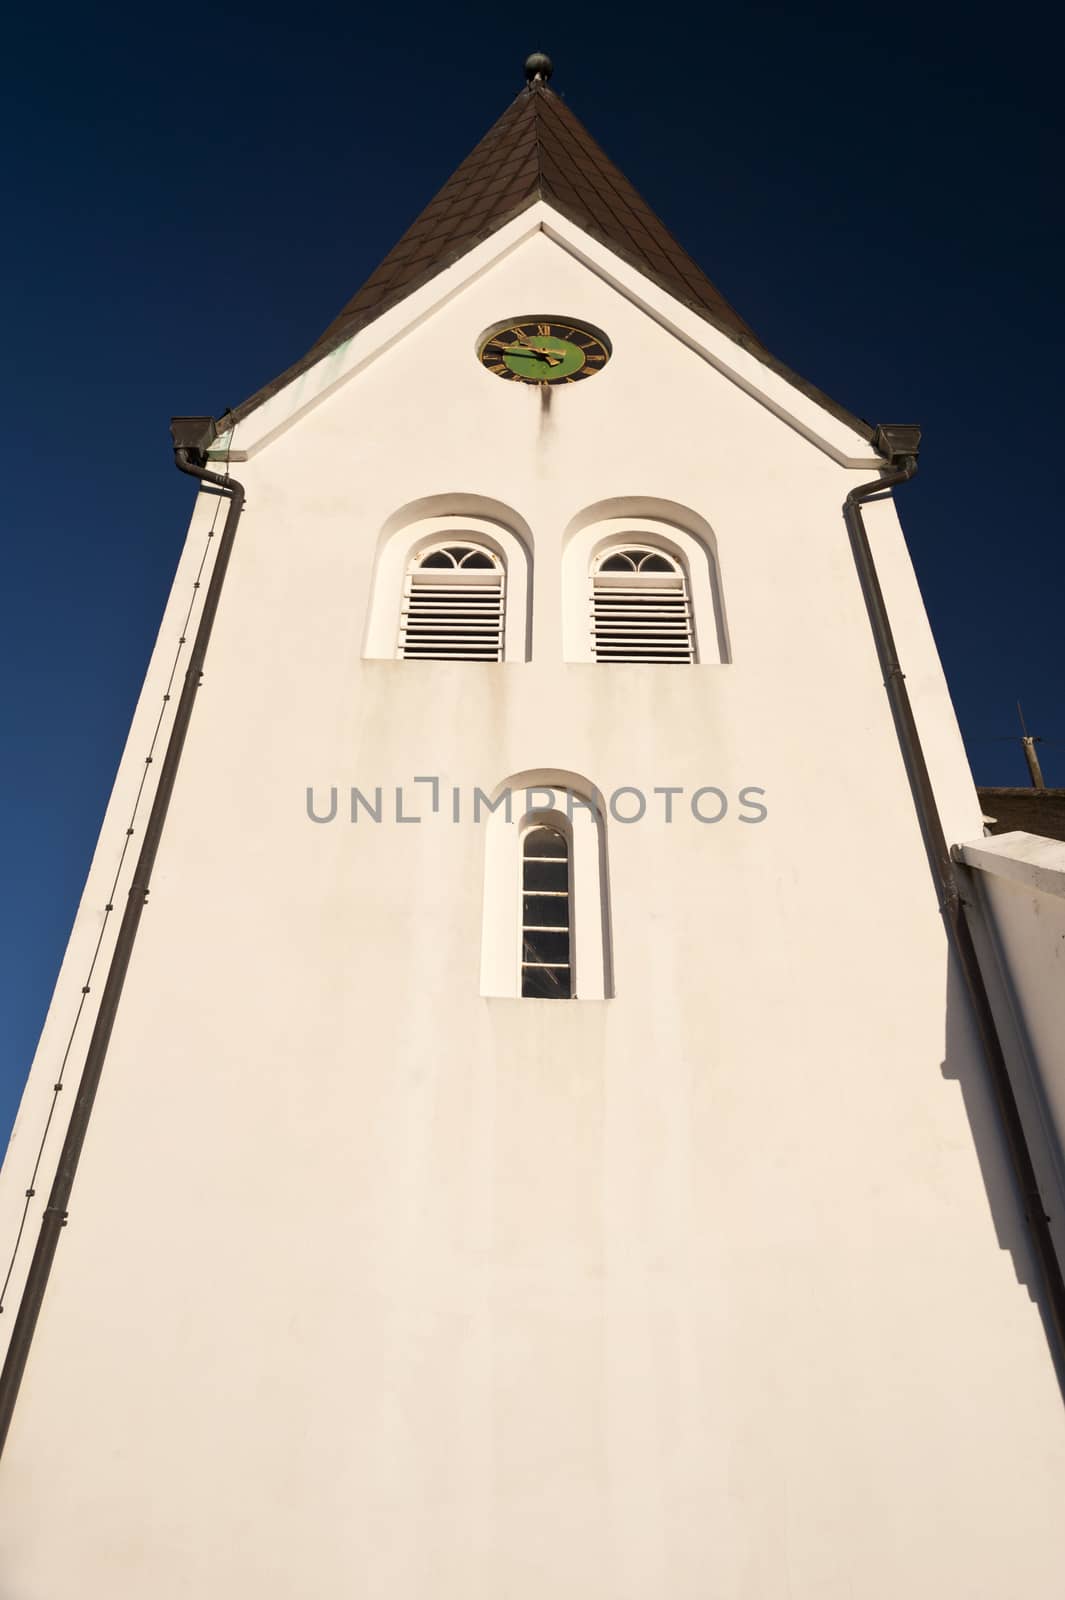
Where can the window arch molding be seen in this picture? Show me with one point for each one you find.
(616, 525)
(404, 538)
(570, 804)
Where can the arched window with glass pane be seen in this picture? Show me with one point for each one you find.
(641, 608)
(546, 922)
(546, 954)
(453, 605)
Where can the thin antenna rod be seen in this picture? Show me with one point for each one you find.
(1029, 742)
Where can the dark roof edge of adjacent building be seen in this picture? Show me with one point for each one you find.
(538, 150)
(1039, 811)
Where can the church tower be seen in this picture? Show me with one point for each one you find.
(523, 1134)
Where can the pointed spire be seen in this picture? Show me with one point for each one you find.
(537, 150)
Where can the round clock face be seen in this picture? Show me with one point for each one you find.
(544, 350)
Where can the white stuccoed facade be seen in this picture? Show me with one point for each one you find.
(377, 1284)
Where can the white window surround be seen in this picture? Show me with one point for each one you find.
(591, 540)
(575, 810)
(402, 544)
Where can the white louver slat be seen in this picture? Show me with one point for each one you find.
(641, 615)
(453, 613)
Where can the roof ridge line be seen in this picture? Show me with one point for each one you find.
(543, 90)
(609, 176)
(616, 194)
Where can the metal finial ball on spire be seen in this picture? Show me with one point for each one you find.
(538, 67)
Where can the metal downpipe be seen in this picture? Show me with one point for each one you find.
(904, 465)
(54, 1217)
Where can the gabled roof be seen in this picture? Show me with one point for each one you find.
(537, 150)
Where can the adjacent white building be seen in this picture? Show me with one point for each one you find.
(600, 1202)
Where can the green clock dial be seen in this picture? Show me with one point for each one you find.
(544, 350)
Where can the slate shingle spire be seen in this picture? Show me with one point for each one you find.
(538, 150)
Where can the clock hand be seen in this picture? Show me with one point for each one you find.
(545, 355)
(550, 356)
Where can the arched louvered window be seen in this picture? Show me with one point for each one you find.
(641, 609)
(453, 600)
(546, 962)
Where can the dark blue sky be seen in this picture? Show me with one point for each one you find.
(191, 199)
